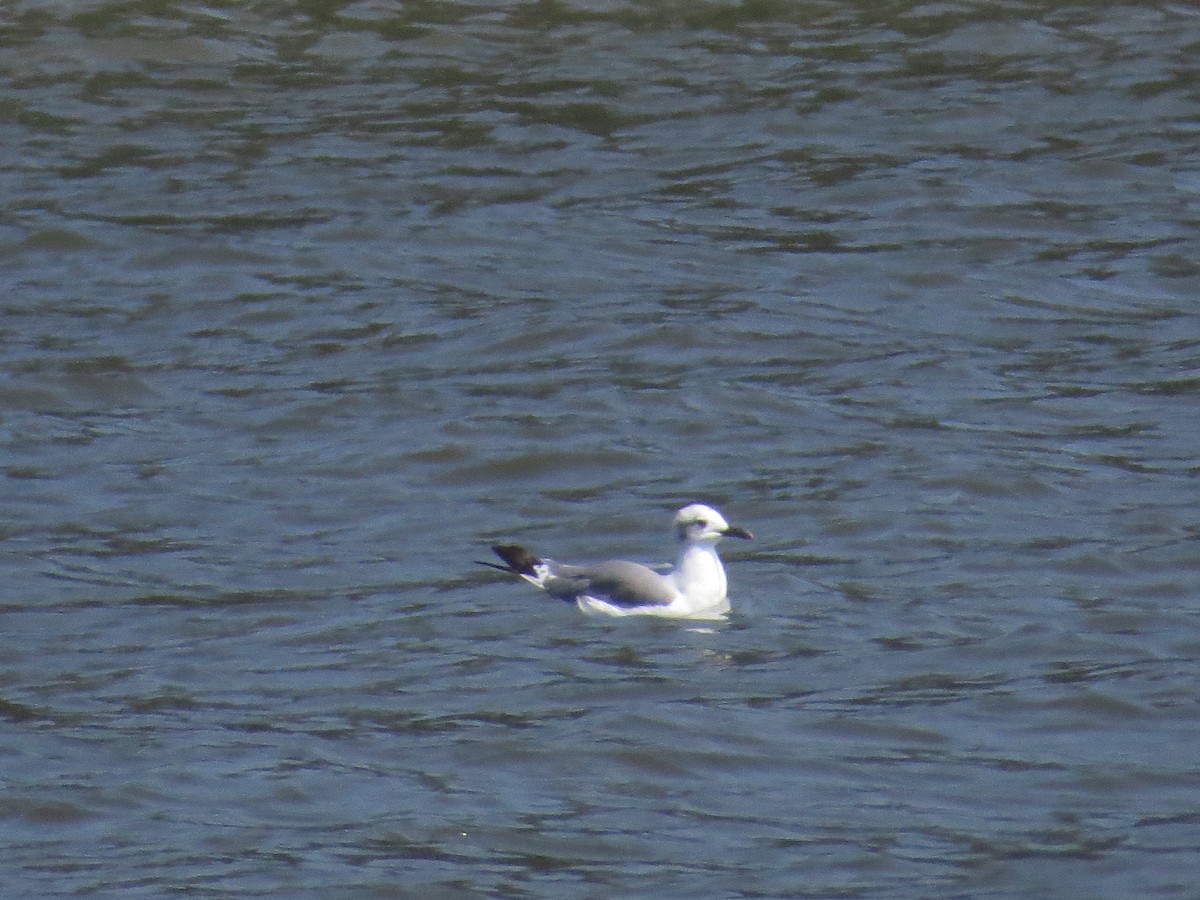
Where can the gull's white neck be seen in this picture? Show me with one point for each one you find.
(699, 575)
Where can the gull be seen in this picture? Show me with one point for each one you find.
(694, 589)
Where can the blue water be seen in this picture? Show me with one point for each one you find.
(304, 307)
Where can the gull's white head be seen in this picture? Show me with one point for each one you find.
(698, 523)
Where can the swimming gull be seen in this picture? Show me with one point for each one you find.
(694, 589)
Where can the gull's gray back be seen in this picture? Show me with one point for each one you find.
(619, 582)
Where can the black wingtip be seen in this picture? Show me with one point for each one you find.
(518, 560)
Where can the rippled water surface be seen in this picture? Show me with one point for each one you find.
(303, 305)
